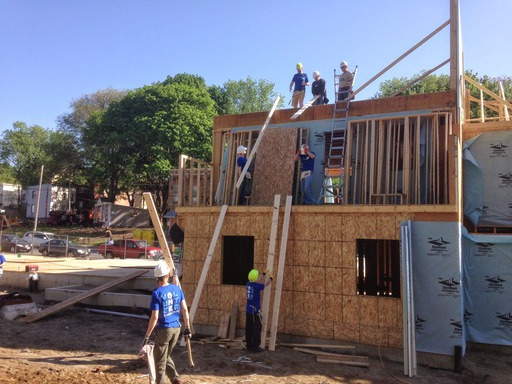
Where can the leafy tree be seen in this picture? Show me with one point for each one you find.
(23, 148)
(430, 83)
(7, 173)
(26, 149)
(137, 140)
(244, 96)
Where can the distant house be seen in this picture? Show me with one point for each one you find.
(51, 198)
(10, 195)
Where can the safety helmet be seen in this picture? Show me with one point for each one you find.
(315, 74)
(303, 149)
(343, 64)
(253, 275)
(162, 269)
(298, 66)
(241, 149)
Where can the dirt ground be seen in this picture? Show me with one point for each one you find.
(76, 346)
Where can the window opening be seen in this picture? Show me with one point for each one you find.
(237, 259)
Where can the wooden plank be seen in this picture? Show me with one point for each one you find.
(148, 197)
(304, 107)
(332, 346)
(255, 148)
(232, 322)
(320, 359)
(80, 297)
(335, 356)
(224, 325)
(207, 263)
(280, 273)
(270, 264)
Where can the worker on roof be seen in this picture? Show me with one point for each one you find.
(299, 83)
(346, 79)
(318, 88)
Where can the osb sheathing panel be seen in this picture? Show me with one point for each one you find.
(333, 255)
(333, 308)
(201, 316)
(361, 226)
(306, 280)
(274, 166)
(333, 224)
(388, 312)
(309, 253)
(348, 254)
(309, 227)
(374, 335)
(386, 227)
(190, 227)
(368, 310)
(351, 310)
(395, 338)
(203, 225)
(333, 280)
(305, 326)
(347, 332)
(349, 281)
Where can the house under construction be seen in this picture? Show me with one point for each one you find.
(410, 243)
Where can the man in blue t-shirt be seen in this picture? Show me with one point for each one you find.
(246, 186)
(2, 263)
(167, 302)
(299, 82)
(253, 290)
(307, 159)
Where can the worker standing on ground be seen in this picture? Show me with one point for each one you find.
(299, 83)
(253, 326)
(307, 159)
(318, 88)
(167, 302)
(246, 186)
(346, 79)
(2, 263)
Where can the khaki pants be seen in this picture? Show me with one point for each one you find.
(298, 98)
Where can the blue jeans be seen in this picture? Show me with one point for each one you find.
(305, 185)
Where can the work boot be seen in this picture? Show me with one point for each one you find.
(177, 381)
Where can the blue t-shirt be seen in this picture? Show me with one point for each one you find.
(241, 161)
(253, 291)
(2, 260)
(308, 163)
(167, 301)
(298, 79)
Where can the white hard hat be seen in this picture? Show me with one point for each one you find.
(241, 149)
(162, 269)
(343, 64)
(316, 73)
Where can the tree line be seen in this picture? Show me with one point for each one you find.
(125, 142)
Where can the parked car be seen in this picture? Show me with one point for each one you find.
(37, 238)
(130, 249)
(13, 244)
(60, 247)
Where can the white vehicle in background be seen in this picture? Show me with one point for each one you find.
(36, 238)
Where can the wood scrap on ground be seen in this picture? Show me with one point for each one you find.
(328, 357)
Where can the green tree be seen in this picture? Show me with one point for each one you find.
(244, 96)
(23, 147)
(137, 140)
(7, 173)
(430, 83)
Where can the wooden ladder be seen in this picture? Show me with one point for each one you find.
(332, 186)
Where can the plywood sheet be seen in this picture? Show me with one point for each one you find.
(274, 165)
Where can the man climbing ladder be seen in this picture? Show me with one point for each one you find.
(332, 187)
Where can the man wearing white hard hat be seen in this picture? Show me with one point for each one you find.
(167, 302)
(246, 186)
(346, 79)
(318, 88)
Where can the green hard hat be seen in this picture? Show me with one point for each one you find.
(253, 275)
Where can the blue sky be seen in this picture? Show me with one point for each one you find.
(55, 51)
